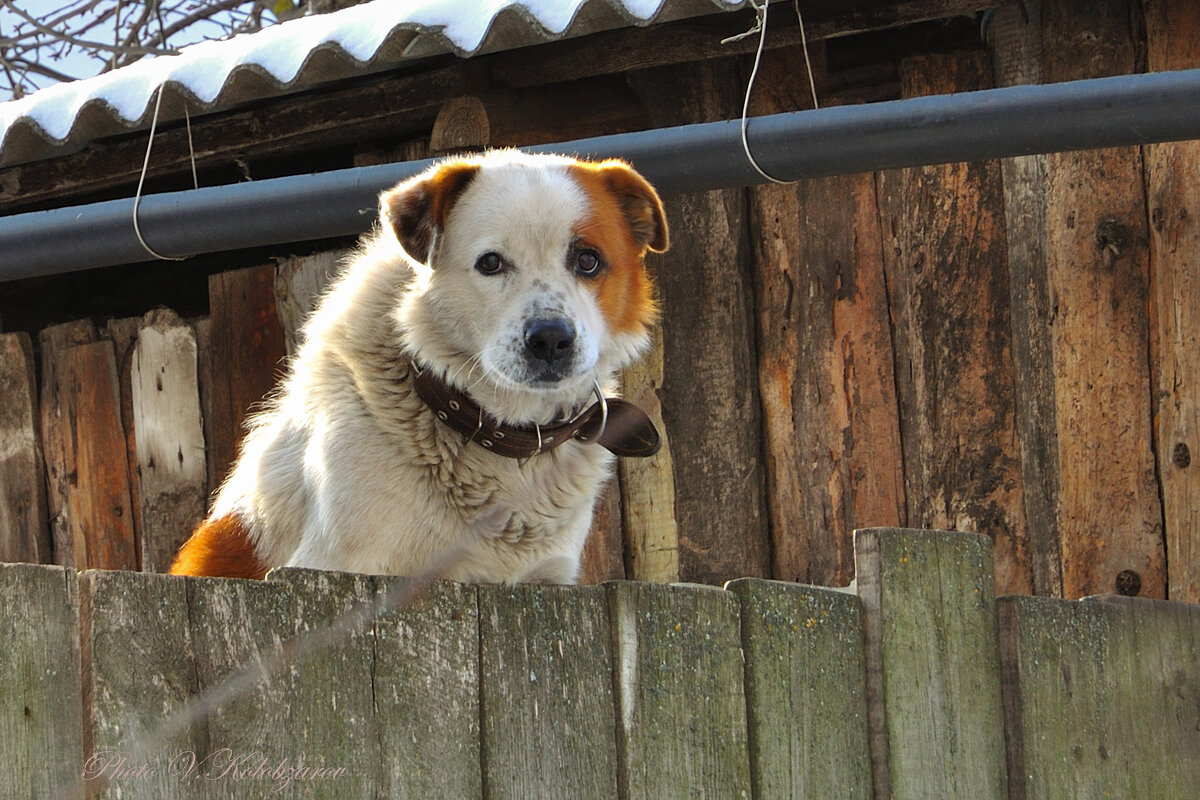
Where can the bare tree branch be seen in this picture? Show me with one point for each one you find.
(102, 46)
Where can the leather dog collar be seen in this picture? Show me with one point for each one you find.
(617, 425)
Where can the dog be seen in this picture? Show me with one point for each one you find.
(453, 390)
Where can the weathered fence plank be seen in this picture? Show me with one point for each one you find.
(316, 710)
(53, 341)
(681, 713)
(40, 722)
(946, 265)
(709, 388)
(247, 346)
(122, 332)
(299, 283)
(170, 437)
(1173, 193)
(86, 459)
(427, 693)
(933, 673)
(648, 502)
(1102, 698)
(1096, 262)
(137, 666)
(545, 655)
(825, 374)
(825, 363)
(805, 691)
(24, 527)
(603, 557)
(1016, 45)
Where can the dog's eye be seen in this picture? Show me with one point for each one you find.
(490, 264)
(588, 263)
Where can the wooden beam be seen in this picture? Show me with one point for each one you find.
(24, 527)
(947, 271)
(170, 437)
(247, 347)
(1173, 194)
(825, 370)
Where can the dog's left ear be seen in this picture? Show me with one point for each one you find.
(416, 210)
(643, 210)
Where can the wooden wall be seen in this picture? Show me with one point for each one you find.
(1006, 347)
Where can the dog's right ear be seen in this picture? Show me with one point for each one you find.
(416, 210)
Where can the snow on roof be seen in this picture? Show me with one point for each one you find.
(302, 53)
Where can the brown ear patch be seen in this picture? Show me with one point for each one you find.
(417, 209)
(642, 207)
(624, 221)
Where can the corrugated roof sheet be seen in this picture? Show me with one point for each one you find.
(303, 53)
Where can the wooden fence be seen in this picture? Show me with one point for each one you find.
(923, 685)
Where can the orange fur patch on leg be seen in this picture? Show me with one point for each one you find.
(221, 548)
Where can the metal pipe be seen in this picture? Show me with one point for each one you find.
(996, 123)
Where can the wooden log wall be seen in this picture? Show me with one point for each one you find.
(923, 684)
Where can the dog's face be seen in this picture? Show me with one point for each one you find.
(534, 283)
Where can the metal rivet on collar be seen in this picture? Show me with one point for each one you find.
(454, 406)
(443, 416)
(498, 434)
(486, 442)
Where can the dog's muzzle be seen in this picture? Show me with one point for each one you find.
(550, 348)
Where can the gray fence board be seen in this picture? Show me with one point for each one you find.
(933, 666)
(1103, 698)
(545, 654)
(805, 691)
(40, 724)
(137, 670)
(427, 693)
(680, 703)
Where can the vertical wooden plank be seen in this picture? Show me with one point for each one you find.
(1097, 265)
(831, 420)
(170, 437)
(680, 703)
(648, 497)
(1015, 36)
(933, 671)
(204, 372)
(41, 728)
(55, 436)
(299, 283)
(947, 273)
(1173, 195)
(426, 683)
(24, 527)
(247, 346)
(806, 702)
(137, 667)
(603, 552)
(545, 656)
(123, 335)
(1102, 698)
(710, 401)
(86, 460)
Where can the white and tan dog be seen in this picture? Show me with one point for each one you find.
(449, 390)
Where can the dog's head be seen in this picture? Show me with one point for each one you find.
(531, 280)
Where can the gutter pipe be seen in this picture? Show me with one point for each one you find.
(993, 123)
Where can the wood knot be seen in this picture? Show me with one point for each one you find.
(1128, 583)
(1181, 456)
(1111, 238)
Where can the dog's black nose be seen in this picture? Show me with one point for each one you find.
(549, 339)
